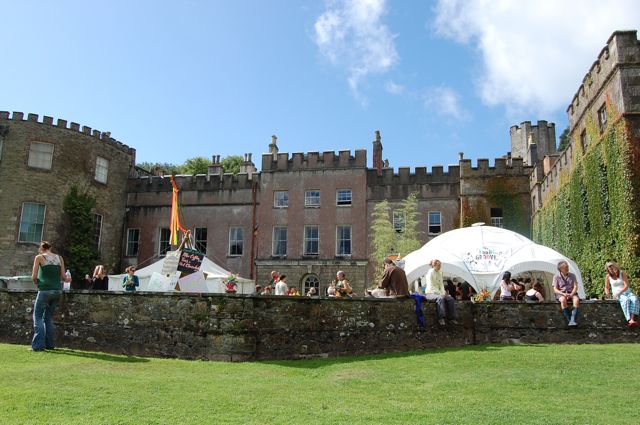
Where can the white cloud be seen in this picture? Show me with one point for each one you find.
(351, 35)
(445, 102)
(393, 88)
(534, 53)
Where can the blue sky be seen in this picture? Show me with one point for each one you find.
(178, 79)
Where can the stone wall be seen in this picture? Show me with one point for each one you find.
(240, 328)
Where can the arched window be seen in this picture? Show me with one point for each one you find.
(311, 281)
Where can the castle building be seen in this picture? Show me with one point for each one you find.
(306, 215)
(39, 162)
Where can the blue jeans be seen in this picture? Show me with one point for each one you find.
(43, 327)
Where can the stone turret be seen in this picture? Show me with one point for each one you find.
(533, 142)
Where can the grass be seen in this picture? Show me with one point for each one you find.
(493, 384)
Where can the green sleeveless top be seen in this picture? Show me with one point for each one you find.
(49, 273)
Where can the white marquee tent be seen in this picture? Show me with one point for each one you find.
(215, 277)
(480, 254)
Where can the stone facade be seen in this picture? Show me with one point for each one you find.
(74, 159)
(240, 328)
(613, 78)
(507, 193)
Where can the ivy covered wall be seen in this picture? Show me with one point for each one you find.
(593, 216)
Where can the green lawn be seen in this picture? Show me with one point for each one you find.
(536, 384)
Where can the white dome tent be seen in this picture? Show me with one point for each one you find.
(480, 254)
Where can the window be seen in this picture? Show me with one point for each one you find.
(398, 221)
(133, 237)
(102, 169)
(165, 245)
(97, 231)
(583, 139)
(40, 155)
(279, 241)
(312, 198)
(311, 281)
(435, 222)
(602, 117)
(31, 222)
(343, 197)
(311, 240)
(236, 241)
(280, 199)
(343, 240)
(200, 239)
(496, 217)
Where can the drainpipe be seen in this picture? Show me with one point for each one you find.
(254, 195)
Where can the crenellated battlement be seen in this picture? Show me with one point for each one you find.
(623, 48)
(502, 167)
(421, 175)
(298, 161)
(64, 124)
(187, 183)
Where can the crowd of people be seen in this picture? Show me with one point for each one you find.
(48, 274)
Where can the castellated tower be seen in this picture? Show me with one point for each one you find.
(533, 142)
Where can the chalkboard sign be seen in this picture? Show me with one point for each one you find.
(190, 261)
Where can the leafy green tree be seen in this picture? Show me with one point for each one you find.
(564, 139)
(78, 246)
(196, 165)
(407, 239)
(164, 166)
(384, 236)
(232, 163)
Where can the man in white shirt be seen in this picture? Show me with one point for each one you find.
(435, 291)
(281, 286)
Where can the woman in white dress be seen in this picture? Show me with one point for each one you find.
(617, 284)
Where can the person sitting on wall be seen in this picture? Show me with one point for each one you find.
(506, 287)
(332, 290)
(435, 291)
(312, 292)
(267, 290)
(130, 281)
(343, 287)
(257, 290)
(534, 294)
(565, 287)
(617, 283)
(100, 281)
(394, 280)
(281, 286)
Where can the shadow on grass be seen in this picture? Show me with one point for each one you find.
(325, 362)
(98, 356)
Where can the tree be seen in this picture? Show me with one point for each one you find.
(564, 139)
(166, 167)
(80, 252)
(407, 239)
(384, 236)
(232, 163)
(196, 165)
